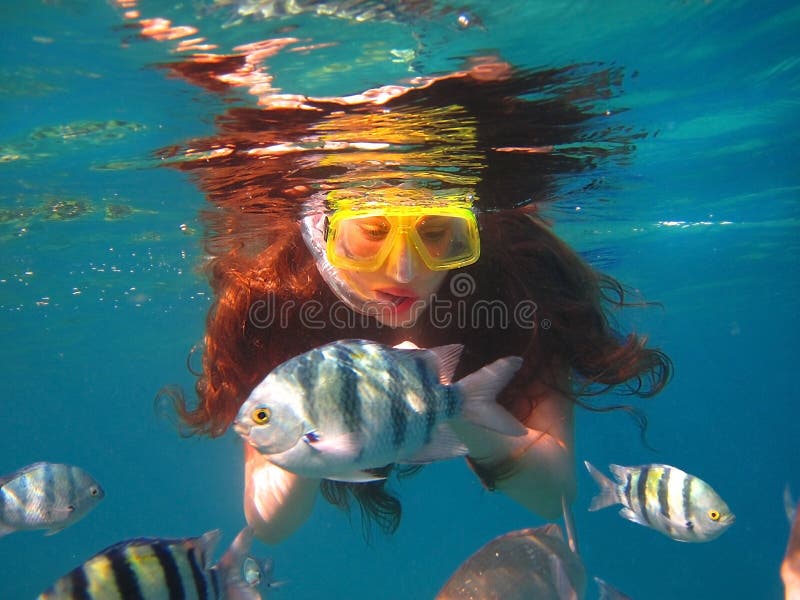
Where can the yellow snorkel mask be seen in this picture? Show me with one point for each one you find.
(360, 239)
(355, 229)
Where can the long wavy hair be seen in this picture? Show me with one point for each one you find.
(263, 276)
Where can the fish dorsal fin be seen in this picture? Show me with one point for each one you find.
(553, 530)
(207, 542)
(444, 444)
(444, 360)
(4, 479)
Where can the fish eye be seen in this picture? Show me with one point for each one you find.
(94, 491)
(714, 515)
(261, 415)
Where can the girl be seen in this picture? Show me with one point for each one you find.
(393, 172)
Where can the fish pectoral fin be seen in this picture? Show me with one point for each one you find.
(5, 529)
(627, 513)
(444, 444)
(356, 477)
(53, 530)
(345, 445)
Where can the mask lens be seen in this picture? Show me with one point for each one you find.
(360, 242)
(444, 239)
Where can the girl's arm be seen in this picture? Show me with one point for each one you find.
(276, 502)
(538, 469)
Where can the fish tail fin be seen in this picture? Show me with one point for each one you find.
(607, 496)
(479, 392)
(231, 568)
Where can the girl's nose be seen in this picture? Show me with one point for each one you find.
(402, 264)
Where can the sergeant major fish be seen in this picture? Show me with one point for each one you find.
(352, 405)
(46, 495)
(679, 505)
(156, 568)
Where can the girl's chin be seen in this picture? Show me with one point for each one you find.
(405, 314)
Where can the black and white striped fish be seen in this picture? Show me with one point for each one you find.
(679, 505)
(349, 406)
(46, 495)
(158, 568)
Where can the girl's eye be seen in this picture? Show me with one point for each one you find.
(261, 416)
(432, 234)
(373, 232)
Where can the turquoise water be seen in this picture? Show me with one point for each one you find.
(100, 305)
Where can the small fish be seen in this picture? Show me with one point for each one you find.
(679, 505)
(529, 563)
(46, 495)
(156, 568)
(790, 567)
(260, 573)
(608, 591)
(346, 407)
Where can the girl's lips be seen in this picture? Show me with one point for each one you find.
(402, 299)
(395, 295)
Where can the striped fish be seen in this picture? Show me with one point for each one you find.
(346, 407)
(46, 495)
(157, 568)
(679, 505)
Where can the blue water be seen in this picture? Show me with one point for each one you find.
(97, 313)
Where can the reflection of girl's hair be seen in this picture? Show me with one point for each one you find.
(259, 257)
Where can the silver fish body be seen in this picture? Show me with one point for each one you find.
(343, 408)
(157, 568)
(46, 495)
(529, 563)
(681, 506)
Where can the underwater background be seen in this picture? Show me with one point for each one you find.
(101, 298)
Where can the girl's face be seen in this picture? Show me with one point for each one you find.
(400, 290)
